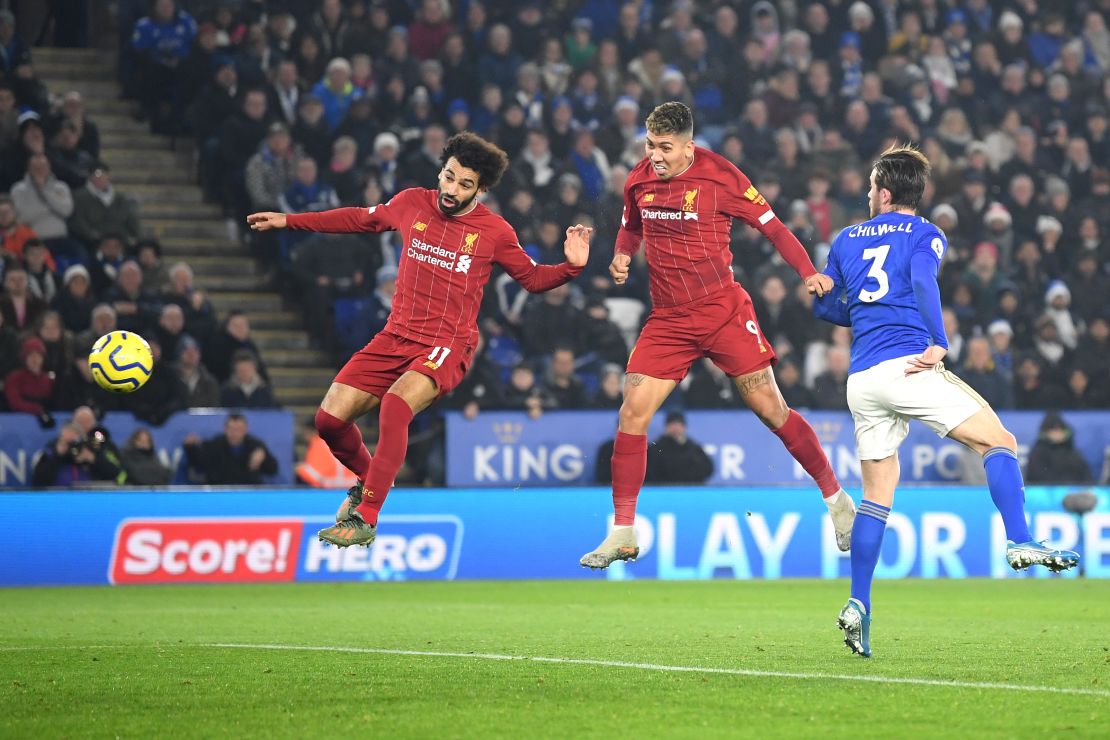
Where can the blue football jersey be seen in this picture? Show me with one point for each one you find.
(870, 264)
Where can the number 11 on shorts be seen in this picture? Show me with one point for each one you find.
(437, 356)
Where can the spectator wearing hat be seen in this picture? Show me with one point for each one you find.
(21, 307)
(1011, 42)
(100, 209)
(384, 164)
(75, 300)
(336, 91)
(1001, 336)
(675, 458)
(271, 170)
(1057, 299)
(999, 231)
(1053, 458)
(28, 388)
(202, 390)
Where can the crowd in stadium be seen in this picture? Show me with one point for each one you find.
(301, 105)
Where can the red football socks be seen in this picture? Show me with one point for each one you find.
(393, 443)
(345, 442)
(801, 441)
(629, 463)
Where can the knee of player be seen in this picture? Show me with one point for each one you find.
(1004, 438)
(634, 420)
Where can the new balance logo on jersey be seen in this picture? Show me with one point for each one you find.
(420, 226)
(649, 197)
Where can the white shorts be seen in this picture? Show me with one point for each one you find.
(883, 399)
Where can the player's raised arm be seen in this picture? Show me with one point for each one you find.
(743, 201)
(377, 218)
(538, 278)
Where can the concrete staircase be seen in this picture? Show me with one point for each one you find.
(160, 176)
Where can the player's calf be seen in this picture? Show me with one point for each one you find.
(620, 544)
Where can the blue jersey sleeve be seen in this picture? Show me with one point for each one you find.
(928, 253)
(833, 306)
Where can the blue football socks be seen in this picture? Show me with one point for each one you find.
(867, 542)
(1007, 491)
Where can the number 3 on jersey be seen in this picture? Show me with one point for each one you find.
(876, 272)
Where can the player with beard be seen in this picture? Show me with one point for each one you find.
(679, 202)
(451, 243)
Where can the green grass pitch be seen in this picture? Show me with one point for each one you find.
(154, 661)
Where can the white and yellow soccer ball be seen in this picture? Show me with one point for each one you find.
(121, 362)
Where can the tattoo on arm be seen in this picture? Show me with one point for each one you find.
(747, 384)
(636, 379)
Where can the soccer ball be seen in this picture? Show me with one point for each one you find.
(120, 361)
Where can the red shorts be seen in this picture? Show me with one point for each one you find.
(721, 326)
(375, 367)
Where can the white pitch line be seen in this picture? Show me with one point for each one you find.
(674, 668)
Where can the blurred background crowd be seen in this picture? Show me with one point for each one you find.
(302, 105)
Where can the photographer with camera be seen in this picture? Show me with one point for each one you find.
(73, 458)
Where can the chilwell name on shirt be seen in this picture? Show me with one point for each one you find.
(880, 229)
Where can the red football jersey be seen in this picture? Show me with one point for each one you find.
(684, 223)
(444, 264)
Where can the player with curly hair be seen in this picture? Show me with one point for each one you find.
(450, 244)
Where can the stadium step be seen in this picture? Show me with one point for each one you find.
(116, 139)
(200, 227)
(163, 193)
(306, 396)
(295, 358)
(127, 159)
(179, 214)
(159, 172)
(251, 302)
(284, 320)
(268, 339)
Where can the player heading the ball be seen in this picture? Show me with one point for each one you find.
(679, 202)
(451, 243)
(885, 288)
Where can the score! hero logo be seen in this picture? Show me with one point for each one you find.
(229, 550)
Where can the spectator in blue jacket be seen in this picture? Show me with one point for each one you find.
(336, 91)
(162, 41)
